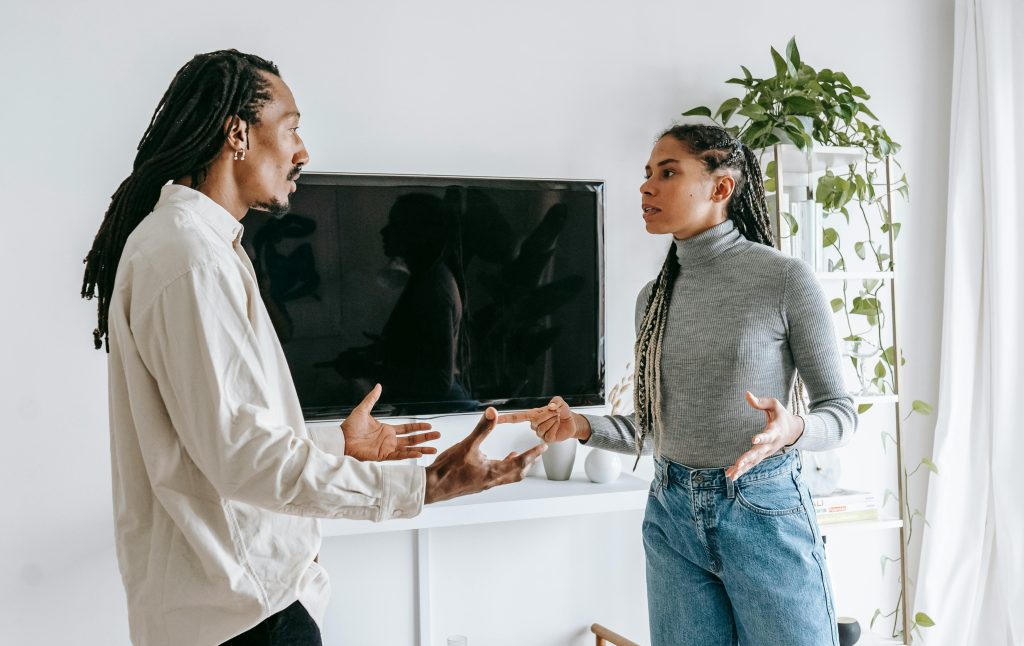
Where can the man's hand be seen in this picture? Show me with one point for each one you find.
(781, 429)
(464, 469)
(368, 439)
(552, 423)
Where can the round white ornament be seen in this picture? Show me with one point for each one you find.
(602, 466)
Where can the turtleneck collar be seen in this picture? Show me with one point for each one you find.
(708, 245)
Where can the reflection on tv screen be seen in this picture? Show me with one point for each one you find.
(453, 293)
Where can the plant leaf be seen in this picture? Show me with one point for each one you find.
(890, 355)
(923, 620)
(930, 465)
(700, 111)
(727, 108)
(797, 104)
(863, 408)
(837, 304)
(782, 66)
(921, 407)
(829, 237)
(864, 108)
(752, 111)
(791, 221)
(792, 53)
(888, 494)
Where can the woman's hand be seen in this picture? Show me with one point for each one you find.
(552, 423)
(781, 429)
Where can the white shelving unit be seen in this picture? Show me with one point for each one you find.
(798, 171)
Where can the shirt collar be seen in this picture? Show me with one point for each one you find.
(214, 215)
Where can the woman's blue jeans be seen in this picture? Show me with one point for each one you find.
(736, 562)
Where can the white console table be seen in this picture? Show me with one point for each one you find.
(534, 497)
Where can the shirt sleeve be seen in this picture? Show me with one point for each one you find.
(202, 351)
(328, 438)
(618, 432)
(832, 418)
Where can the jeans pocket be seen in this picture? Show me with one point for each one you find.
(775, 496)
(657, 483)
(655, 487)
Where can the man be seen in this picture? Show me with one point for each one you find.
(217, 482)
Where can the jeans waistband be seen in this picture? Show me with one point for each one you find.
(714, 478)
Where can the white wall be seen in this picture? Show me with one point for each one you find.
(569, 89)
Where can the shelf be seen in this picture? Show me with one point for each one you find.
(795, 160)
(870, 639)
(853, 275)
(534, 497)
(881, 524)
(875, 399)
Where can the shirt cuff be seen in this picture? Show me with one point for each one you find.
(329, 439)
(404, 489)
(614, 433)
(815, 435)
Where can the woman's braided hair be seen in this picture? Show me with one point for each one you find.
(748, 209)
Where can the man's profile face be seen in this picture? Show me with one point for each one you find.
(276, 153)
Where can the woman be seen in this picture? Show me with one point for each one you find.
(733, 550)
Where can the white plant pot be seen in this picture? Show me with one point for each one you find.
(559, 458)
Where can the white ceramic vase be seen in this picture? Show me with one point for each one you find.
(602, 466)
(559, 458)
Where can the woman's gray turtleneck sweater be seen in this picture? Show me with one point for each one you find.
(743, 316)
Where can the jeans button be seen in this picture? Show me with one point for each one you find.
(698, 478)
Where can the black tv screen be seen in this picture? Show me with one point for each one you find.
(453, 293)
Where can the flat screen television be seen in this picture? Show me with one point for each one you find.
(454, 293)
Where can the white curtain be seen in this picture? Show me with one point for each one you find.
(971, 576)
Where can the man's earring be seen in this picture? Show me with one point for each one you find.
(239, 155)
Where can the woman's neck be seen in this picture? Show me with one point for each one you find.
(698, 228)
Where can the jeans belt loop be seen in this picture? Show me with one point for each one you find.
(730, 488)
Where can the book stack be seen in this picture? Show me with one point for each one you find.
(843, 506)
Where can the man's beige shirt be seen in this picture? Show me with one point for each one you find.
(217, 482)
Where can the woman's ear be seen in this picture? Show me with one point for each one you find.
(723, 188)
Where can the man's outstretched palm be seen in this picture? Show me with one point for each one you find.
(368, 439)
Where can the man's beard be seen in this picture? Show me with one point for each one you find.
(275, 208)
